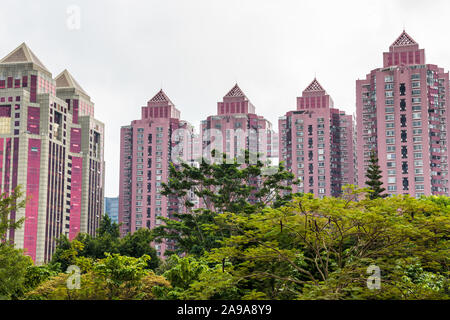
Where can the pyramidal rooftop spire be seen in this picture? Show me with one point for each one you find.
(66, 80)
(161, 97)
(404, 40)
(23, 54)
(235, 92)
(314, 86)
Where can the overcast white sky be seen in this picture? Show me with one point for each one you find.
(197, 49)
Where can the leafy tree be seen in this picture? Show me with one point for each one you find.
(66, 252)
(137, 245)
(230, 186)
(115, 277)
(321, 248)
(106, 240)
(84, 249)
(8, 204)
(35, 275)
(374, 178)
(184, 271)
(13, 263)
(108, 227)
(13, 268)
(121, 273)
(214, 283)
(227, 186)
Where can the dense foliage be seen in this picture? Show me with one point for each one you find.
(300, 248)
(107, 241)
(221, 186)
(321, 249)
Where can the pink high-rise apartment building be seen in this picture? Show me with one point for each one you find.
(51, 146)
(236, 127)
(317, 142)
(403, 116)
(146, 148)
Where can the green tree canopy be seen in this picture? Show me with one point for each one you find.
(13, 262)
(321, 249)
(106, 242)
(228, 186)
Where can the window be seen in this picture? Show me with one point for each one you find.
(418, 163)
(391, 164)
(390, 148)
(392, 180)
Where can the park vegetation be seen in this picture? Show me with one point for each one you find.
(253, 239)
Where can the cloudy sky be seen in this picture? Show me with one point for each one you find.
(124, 51)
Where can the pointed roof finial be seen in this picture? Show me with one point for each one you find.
(161, 97)
(23, 54)
(314, 86)
(404, 40)
(235, 92)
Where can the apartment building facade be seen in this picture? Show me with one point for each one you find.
(52, 146)
(403, 117)
(317, 143)
(236, 127)
(147, 149)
